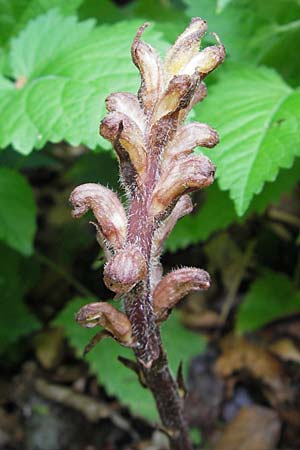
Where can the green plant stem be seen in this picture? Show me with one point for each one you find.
(237, 281)
(291, 26)
(82, 290)
(283, 216)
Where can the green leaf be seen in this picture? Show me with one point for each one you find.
(235, 24)
(15, 318)
(258, 118)
(170, 20)
(272, 192)
(69, 69)
(270, 297)
(17, 211)
(14, 14)
(221, 4)
(217, 211)
(104, 11)
(119, 381)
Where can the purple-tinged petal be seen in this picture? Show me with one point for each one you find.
(184, 175)
(107, 209)
(176, 285)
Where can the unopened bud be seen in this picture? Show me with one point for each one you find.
(150, 67)
(185, 47)
(175, 286)
(105, 315)
(125, 270)
(121, 130)
(107, 209)
(206, 61)
(184, 175)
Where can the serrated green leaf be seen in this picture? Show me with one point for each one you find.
(258, 117)
(119, 381)
(17, 211)
(217, 211)
(14, 14)
(70, 71)
(235, 24)
(270, 297)
(45, 39)
(15, 318)
(272, 192)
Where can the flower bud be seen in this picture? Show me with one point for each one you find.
(184, 175)
(150, 67)
(177, 96)
(107, 209)
(187, 138)
(205, 61)
(176, 285)
(105, 315)
(125, 270)
(128, 104)
(185, 47)
(128, 136)
(166, 116)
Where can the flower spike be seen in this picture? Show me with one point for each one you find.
(158, 171)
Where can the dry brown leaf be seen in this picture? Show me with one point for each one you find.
(205, 319)
(286, 349)
(49, 345)
(254, 428)
(240, 354)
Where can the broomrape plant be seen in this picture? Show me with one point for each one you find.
(158, 170)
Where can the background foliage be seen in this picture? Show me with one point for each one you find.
(59, 60)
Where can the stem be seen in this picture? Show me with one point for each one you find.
(138, 305)
(64, 274)
(169, 403)
(283, 216)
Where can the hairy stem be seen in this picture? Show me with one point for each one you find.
(138, 305)
(169, 403)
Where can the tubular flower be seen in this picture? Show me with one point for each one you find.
(115, 323)
(176, 285)
(107, 209)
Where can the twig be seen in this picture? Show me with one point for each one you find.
(81, 289)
